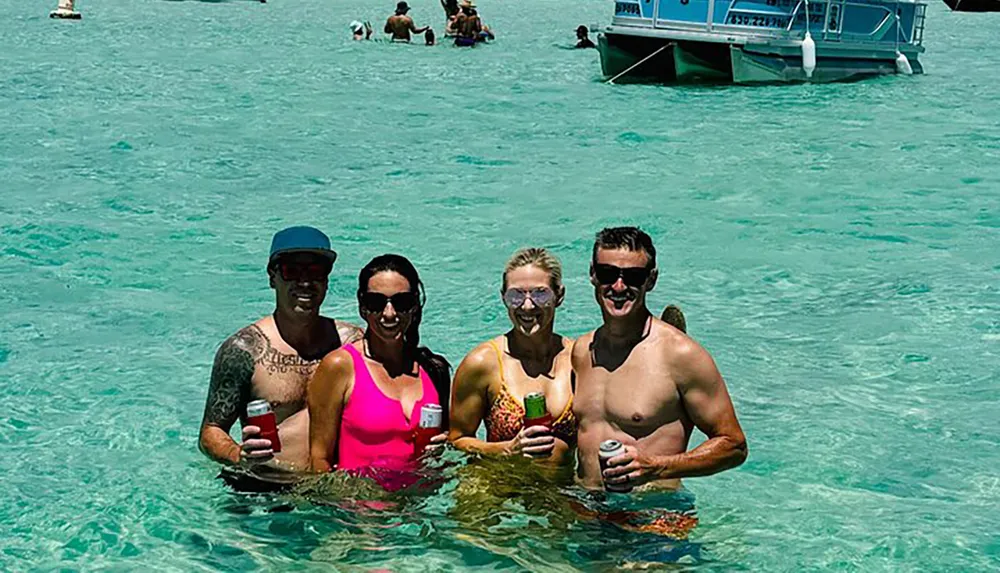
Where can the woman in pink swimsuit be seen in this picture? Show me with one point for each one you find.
(365, 398)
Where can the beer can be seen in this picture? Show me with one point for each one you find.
(534, 406)
(611, 449)
(258, 408)
(430, 416)
(259, 414)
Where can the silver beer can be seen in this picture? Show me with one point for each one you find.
(430, 416)
(611, 449)
(258, 408)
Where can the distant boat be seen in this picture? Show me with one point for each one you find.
(762, 41)
(974, 5)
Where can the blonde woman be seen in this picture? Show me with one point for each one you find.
(491, 382)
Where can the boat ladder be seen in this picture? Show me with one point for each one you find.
(833, 20)
(919, 15)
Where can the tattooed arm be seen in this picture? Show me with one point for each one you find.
(228, 395)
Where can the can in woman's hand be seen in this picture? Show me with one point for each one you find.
(430, 425)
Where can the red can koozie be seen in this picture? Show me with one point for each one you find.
(259, 414)
(430, 426)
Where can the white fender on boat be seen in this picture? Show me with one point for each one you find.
(903, 64)
(65, 11)
(808, 55)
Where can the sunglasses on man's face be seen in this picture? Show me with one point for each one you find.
(514, 297)
(634, 277)
(401, 301)
(312, 272)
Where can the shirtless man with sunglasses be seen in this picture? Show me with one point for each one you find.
(273, 359)
(645, 383)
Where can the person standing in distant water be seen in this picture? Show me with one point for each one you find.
(450, 9)
(429, 37)
(583, 40)
(400, 25)
(361, 31)
(646, 383)
(273, 359)
(469, 26)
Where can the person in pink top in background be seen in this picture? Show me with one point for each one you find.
(365, 398)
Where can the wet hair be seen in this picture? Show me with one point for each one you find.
(582, 30)
(627, 238)
(436, 366)
(540, 258)
(673, 316)
(451, 7)
(429, 37)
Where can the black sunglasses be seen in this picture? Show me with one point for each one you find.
(401, 301)
(634, 277)
(295, 272)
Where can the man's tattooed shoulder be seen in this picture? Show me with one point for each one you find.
(232, 374)
(251, 340)
(348, 332)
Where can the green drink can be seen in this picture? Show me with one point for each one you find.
(535, 411)
(534, 406)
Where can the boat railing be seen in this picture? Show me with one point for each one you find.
(914, 36)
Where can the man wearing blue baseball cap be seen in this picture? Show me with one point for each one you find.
(273, 359)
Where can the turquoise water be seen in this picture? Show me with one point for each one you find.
(833, 246)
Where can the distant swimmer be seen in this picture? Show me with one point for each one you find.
(400, 25)
(583, 40)
(361, 31)
(429, 37)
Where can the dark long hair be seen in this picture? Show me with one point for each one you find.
(436, 366)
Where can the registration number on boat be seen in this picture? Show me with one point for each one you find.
(627, 9)
(757, 21)
(764, 21)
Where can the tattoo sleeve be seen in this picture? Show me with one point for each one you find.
(232, 372)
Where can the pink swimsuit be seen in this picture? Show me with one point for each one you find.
(374, 433)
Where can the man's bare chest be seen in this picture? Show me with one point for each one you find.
(637, 400)
(281, 379)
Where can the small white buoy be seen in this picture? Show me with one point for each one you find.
(903, 64)
(65, 11)
(808, 55)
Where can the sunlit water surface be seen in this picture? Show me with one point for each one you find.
(834, 247)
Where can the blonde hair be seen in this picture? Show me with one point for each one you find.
(539, 257)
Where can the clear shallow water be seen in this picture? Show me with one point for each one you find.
(834, 247)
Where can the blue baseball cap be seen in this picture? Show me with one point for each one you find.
(301, 240)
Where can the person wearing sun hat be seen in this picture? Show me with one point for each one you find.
(400, 25)
(470, 26)
(273, 359)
